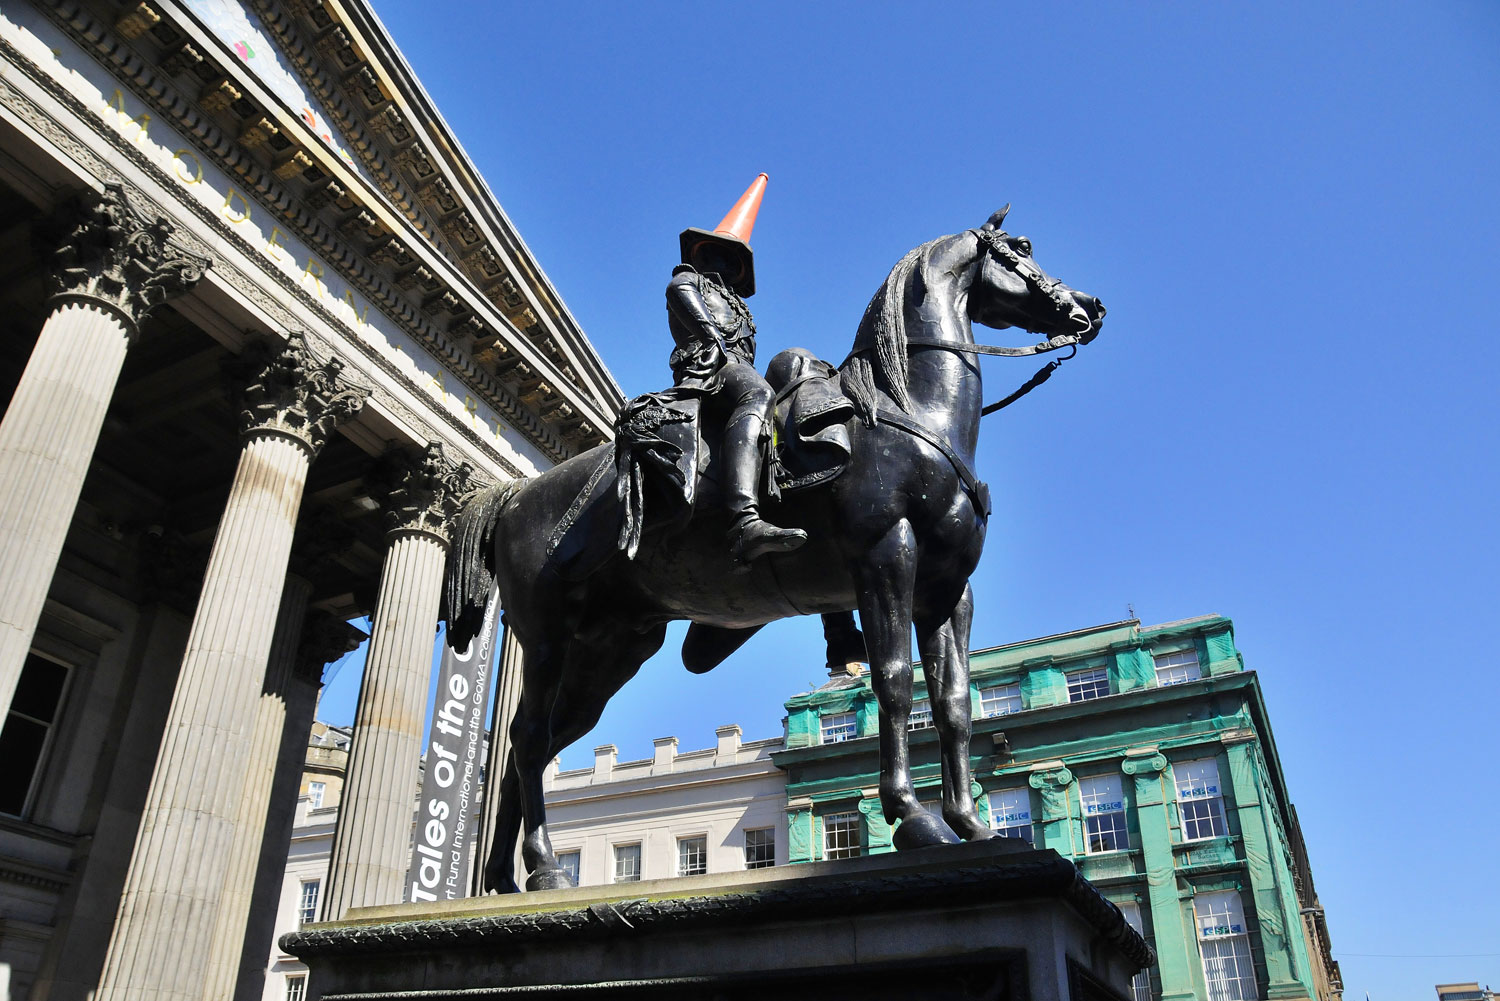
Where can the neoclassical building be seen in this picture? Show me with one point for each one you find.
(264, 326)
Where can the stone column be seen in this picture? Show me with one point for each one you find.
(1052, 779)
(1280, 923)
(372, 841)
(111, 265)
(168, 910)
(325, 638)
(260, 771)
(1173, 936)
(507, 698)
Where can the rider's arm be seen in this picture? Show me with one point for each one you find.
(685, 304)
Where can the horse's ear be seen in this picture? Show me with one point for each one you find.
(997, 220)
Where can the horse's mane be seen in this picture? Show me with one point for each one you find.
(884, 323)
(471, 561)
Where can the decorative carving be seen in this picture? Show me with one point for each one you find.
(112, 255)
(1149, 764)
(137, 20)
(292, 164)
(219, 95)
(422, 493)
(325, 638)
(258, 132)
(181, 59)
(287, 391)
(1051, 779)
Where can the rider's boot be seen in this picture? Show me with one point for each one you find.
(750, 536)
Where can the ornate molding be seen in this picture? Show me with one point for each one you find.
(1051, 779)
(107, 252)
(284, 390)
(1146, 764)
(325, 638)
(422, 493)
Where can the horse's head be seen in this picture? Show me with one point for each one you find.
(1011, 290)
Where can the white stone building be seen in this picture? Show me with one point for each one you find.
(264, 324)
(719, 809)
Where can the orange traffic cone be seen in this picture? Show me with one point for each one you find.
(726, 250)
(741, 219)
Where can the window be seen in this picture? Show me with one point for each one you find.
(1225, 946)
(627, 863)
(1010, 813)
(921, 715)
(296, 987)
(1176, 667)
(1090, 684)
(692, 856)
(999, 700)
(307, 904)
(837, 727)
(1199, 800)
(841, 835)
(760, 848)
(570, 864)
(1140, 986)
(315, 792)
(24, 737)
(1103, 814)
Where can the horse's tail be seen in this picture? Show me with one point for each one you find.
(471, 562)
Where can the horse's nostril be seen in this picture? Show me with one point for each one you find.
(1100, 307)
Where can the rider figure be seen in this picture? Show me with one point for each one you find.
(715, 356)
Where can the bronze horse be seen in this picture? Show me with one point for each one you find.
(895, 536)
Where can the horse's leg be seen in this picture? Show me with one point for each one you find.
(884, 577)
(592, 671)
(500, 869)
(943, 641)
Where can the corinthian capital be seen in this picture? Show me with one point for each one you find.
(108, 253)
(422, 492)
(282, 389)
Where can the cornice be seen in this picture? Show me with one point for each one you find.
(317, 200)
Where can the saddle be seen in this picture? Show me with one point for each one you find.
(650, 479)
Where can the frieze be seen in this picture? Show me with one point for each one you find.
(242, 283)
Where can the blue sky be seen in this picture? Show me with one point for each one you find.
(1290, 418)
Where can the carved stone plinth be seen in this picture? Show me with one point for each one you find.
(421, 496)
(979, 920)
(110, 267)
(184, 853)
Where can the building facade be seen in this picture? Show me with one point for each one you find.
(265, 326)
(1144, 755)
(719, 809)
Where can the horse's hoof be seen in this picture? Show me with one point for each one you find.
(972, 830)
(549, 879)
(921, 830)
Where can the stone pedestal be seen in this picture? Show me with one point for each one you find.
(990, 919)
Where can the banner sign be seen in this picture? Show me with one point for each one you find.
(446, 819)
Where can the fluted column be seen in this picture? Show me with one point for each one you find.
(109, 268)
(325, 638)
(260, 770)
(371, 844)
(169, 908)
(507, 698)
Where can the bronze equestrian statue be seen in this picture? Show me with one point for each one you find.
(589, 577)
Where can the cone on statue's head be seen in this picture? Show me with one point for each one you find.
(726, 250)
